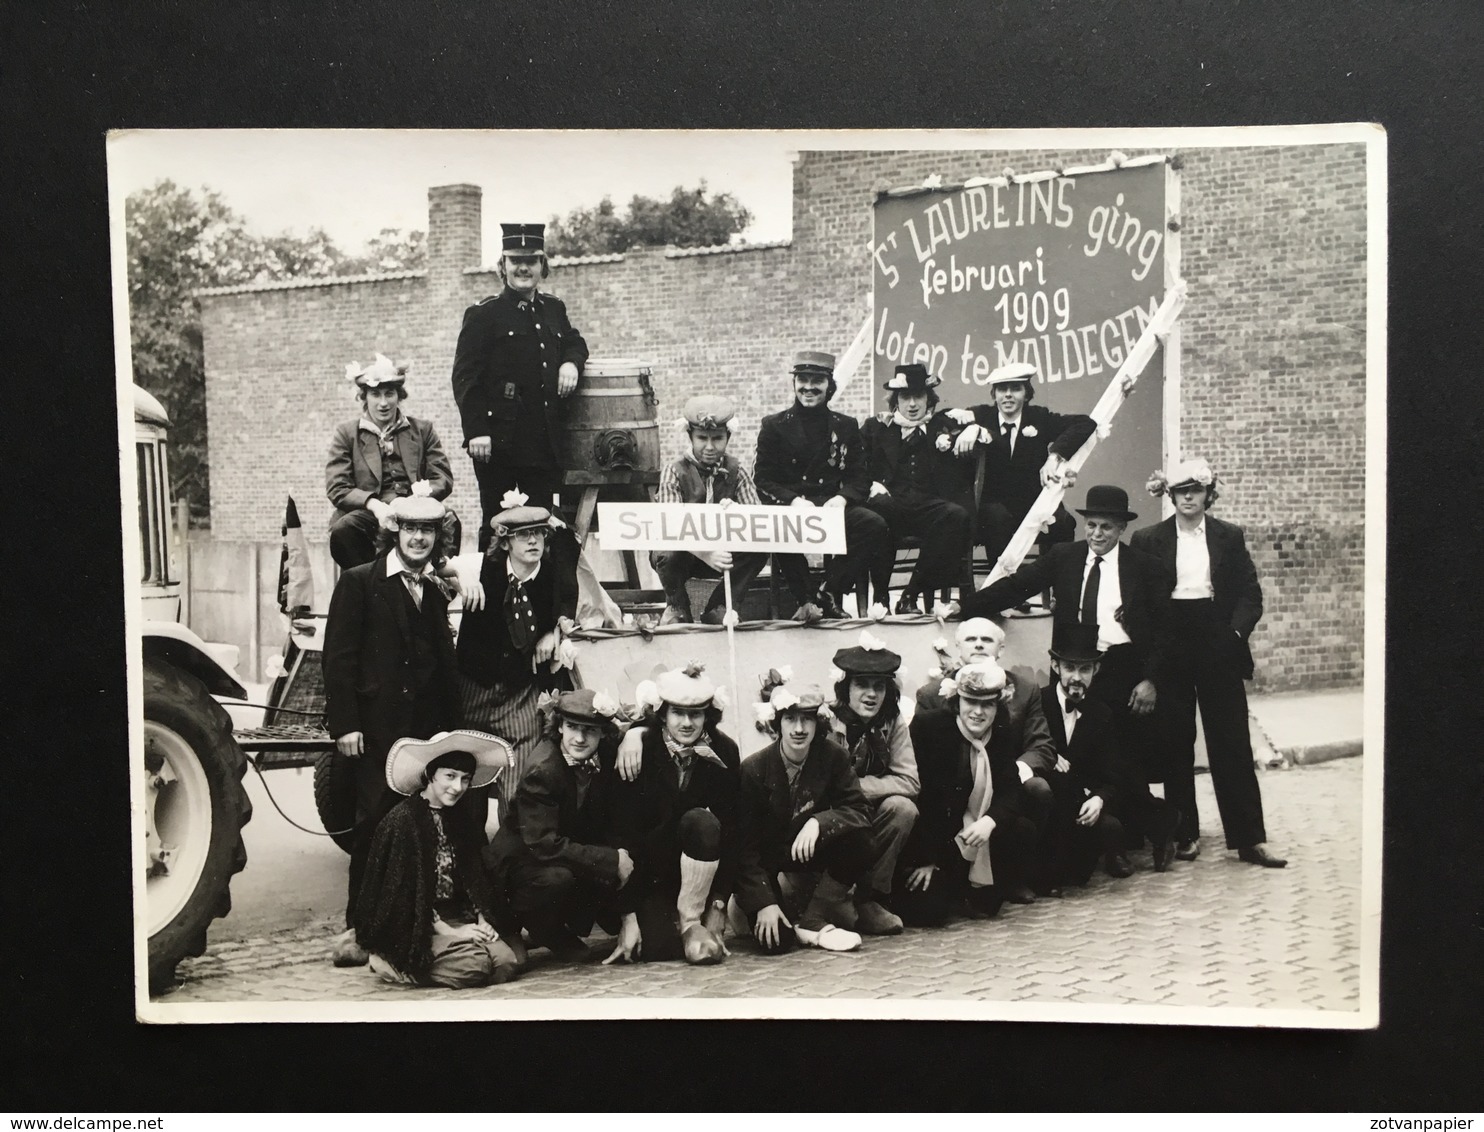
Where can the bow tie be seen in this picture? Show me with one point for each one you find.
(1071, 708)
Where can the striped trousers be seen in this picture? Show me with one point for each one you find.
(509, 712)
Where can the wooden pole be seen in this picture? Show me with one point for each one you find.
(727, 620)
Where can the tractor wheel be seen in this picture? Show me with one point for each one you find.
(335, 796)
(195, 808)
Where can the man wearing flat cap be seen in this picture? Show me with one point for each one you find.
(379, 458)
(389, 671)
(1215, 606)
(1027, 445)
(918, 486)
(518, 355)
(707, 473)
(811, 456)
(1125, 593)
(516, 614)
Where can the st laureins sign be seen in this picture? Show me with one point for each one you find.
(711, 526)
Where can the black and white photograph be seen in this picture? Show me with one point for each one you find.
(871, 574)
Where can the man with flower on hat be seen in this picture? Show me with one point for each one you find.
(918, 486)
(1027, 445)
(868, 723)
(515, 617)
(1215, 606)
(803, 817)
(379, 458)
(811, 456)
(676, 814)
(389, 670)
(518, 356)
(426, 914)
(550, 858)
(707, 473)
(974, 839)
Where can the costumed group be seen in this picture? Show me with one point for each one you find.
(858, 817)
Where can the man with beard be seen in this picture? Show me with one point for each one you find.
(517, 357)
(810, 456)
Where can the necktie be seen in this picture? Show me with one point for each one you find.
(1007, 430)
(1090, 592)
(414, 584)
(520, 619)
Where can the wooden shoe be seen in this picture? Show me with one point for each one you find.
(349, 953)
(827, 938)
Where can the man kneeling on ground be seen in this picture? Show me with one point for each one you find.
(426, 914)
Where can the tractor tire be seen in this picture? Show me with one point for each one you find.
(196, 808)
(335, 797)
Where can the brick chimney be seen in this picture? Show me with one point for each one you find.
(454, 231)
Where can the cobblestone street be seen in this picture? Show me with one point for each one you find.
(1215, 933)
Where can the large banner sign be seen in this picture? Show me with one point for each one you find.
(711, 526)
(1062, 271)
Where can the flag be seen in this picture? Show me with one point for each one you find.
(295, 578)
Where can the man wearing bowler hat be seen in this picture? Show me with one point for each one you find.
(518, 355)
(1215, 606)
(918, 486)
(1027, 444)
(811, 456)
(1126, 594)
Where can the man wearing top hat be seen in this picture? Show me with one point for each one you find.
(811, 456)
(1215, 606)
(1027, 444)
(1126, 593)
(516, 614)
(426, 914)
(378, 459)
(707, 473)
(389, 670)
(516, 357)
(551, 859)
(918, 486)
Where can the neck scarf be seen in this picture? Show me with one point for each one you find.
(684, 757)
(980, 796)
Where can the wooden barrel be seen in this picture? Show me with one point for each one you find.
(611, 424)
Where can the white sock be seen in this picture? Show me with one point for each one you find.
(695, 885)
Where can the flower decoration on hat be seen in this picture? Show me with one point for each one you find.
(422, 487)
(877, 611)
(870, 641)
(513, 498)
(647, 696)
(836, 674)
(604, 704)
(983, 679)
(382, 371)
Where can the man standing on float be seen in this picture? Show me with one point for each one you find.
(518, 355)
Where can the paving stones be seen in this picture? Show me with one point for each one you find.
(1209, 933)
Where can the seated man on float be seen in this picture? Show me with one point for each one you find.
(426, 913)
(868, 723)
(674, 809)
(550, 860)
(517, 609)
(919, 487)
(974, 841)
(382, 456)
(804, 818)
(1085, 781)
(705, 474)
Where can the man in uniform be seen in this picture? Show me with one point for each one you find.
(378, 459)
(1215, 606)
(810, 456)
(1027, 446)
(517, 356)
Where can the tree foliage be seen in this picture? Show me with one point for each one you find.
(180, 241)
(689, 219)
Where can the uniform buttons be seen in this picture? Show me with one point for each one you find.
(538, 326)
(511, 333)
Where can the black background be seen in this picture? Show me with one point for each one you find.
(70, 72)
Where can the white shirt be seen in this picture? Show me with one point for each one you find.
(395, 566)
(1110, 598)
(1068, 719)
(514, 577)
(1014, 430)
(1192, 564)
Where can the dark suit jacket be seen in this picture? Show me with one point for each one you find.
(787, 468)
(947, 780)
(499, 344)
(1015, 480)
(827, 791)
(1144, 582)
(545, 823)
(485, 652)
(369, 683)
(1024, 719)
(645, 816)
(1093, 751)
(1237, 594)
(353, 472)
(942, 474)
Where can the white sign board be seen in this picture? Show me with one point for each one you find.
(711, 526)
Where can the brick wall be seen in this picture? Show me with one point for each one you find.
(1273, 358)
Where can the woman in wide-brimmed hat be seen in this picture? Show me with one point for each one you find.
(426, 914)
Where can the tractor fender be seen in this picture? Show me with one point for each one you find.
(168, 641)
